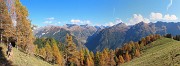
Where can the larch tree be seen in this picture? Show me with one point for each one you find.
(89, 61)
(71, 52)
(97, 59)
(129, 47)
(104, 57)
(57, 54)
(81, 57)
(49, 55)
(23, 28)
(5, 20)
(143, 42)
(111, 61)
(121, 60)
(128, 58)
(137, 45)
(42, 52)
(137, 53)
(148, 39)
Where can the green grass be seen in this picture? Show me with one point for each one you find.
(21, 59)
(158, 53)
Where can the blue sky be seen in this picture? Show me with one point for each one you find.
(101, 12)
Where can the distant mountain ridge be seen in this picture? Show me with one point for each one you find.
(79, 32)
(96, 38)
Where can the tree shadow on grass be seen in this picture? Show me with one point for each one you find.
(3, 60)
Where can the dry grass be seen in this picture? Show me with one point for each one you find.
(164, 52)
(21, 59)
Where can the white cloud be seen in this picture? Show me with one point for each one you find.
(156, 16)
(169, 5)
(59, 22)
(50, 18)
(48, 22)
(137, 18)
(170, 17)
(80, 22)
(114, 23)
(75, 21)
(86, 22)
(160, 17)
(109, 24)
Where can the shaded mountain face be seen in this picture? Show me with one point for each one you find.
(164, 28)
(96, 38)
(137, 31)
(108, 38)
(120, 34)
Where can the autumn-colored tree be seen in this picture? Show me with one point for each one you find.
(97, 59)
(37, 51)
(131, 43)
(23, 28)
(143, 43)
(92, 54)
(158, 36)
(104, 57)
(71, 52)
(152, 38)
(49, 55)
(89, 61)
(148, 39)
(111, 61)
(121, 60)
(127, 57)
(81, 57)
(125, 47)
(5, 20)
(56, 53)
(137, 45)
(129, 47)
(137, 53)
(42, 52)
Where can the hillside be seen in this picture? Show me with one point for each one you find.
(20, 59)
(163, 52)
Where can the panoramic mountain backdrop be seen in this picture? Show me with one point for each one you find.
(96, 38)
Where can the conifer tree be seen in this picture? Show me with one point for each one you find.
(89, 61)
(111, 61)
(57, 55)
(5, 20)
(148, 39)
(128, 58)
(81, 55)
(42, 53)
(23, 28)
(71, 52)
(143, 43)
(137, 45)
(49, 55)
(137, 53)
(121, 60)
(129, 47)
(97, 59)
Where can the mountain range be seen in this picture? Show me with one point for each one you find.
(96, 38)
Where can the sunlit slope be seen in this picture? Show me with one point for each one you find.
(19, 58)
(163, 52)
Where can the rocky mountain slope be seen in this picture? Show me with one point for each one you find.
(80, 33)
(96, 38)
